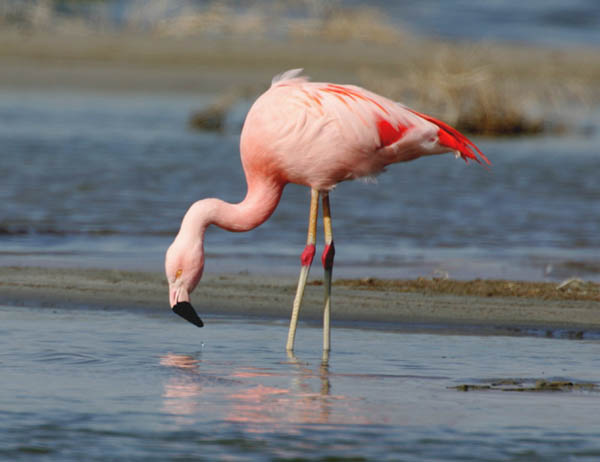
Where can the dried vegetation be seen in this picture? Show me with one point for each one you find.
(483, 88)
(570, 289)
(529, 385)
(491, 89)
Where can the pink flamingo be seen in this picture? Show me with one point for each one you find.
(317, 135)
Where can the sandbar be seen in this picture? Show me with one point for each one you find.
(445, 306)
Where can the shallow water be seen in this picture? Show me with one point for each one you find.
(91, 179)
(543, 22)
(106, 385)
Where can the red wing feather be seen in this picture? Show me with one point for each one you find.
(452, 138)
(388, 134)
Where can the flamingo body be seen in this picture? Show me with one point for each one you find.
(319, 134)
(313, 134)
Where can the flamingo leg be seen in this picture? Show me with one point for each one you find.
(327, 259)
(306, 259)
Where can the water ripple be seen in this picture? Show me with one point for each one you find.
(66, 357)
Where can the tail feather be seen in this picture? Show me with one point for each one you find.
(450, 137)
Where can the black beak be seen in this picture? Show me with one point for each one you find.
(187, 312)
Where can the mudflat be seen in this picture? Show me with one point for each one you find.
(485, 307)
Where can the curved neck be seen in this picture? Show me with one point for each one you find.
(258, 205)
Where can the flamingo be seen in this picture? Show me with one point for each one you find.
(314, 134)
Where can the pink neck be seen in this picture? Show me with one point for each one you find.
(258, 205)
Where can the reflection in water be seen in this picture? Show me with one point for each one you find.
(181, 390)
(263, 400)
(180, 361)
(211, 405)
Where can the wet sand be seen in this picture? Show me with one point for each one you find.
(130, 61)
(502, 307)
(149, 63)
(492, 89)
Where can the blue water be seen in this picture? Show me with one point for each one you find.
(573, 23)
(105, 385)
(103, 180)
(544, 22)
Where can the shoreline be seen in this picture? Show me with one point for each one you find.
(391, 305)
(138, 62)
(494, 89)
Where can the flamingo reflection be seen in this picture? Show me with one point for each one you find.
(181, 390)
(262, 400)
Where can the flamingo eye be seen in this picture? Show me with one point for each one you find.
(178, 273)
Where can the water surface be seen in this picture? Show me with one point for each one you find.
(100, 180)
(105, 385)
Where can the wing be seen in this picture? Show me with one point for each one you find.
(400, 130)
(318, 134)
(377, 123)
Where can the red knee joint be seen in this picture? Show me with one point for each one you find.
(327, 257)
(307, 255)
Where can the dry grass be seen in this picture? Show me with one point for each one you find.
(486, 89)
(529, 386)
(490, 89)
(364, 24)
(482, 88)
(572, 289)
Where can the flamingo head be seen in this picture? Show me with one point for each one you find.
(184, 263)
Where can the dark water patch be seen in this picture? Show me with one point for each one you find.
(10, 231)
(577, 266)
(529, 385)
(66, 357)
(46, 231)
(34, 450)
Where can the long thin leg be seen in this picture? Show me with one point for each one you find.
(306, 259)
(327, 259)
